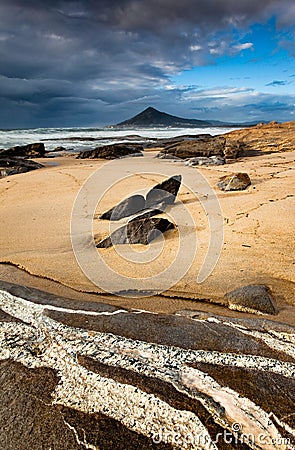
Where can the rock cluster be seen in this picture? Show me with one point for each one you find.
(112, 151)
(141, 227)
(158, 198)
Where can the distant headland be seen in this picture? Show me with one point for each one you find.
(152, 117)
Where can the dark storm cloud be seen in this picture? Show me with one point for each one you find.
(62, 60)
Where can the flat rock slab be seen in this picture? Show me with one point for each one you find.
(112, 151)
(203, 161)
(234, 182)
(138, 231)
(252, 298)
(109, 378)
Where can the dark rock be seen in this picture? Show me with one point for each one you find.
(12, 166)
(148, 213)
(206, 146)
(36, 150)
(160, 197)
(234, 182)
(186, 137)
(142, 231)
(127, 207)
(204, 161)
(60, 149)
(31, 420)
(252, 298)
(164, 192)
(157, 199)
(162, 155)
(112, 151)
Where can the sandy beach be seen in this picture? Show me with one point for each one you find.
(137, 343)
(258, 225)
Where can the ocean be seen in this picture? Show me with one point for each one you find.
(77, 139)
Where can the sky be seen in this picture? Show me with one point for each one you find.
(99, 62)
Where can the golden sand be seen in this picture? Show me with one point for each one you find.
(259, 223)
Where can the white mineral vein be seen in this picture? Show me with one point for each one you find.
(78, 440)
(87, 391)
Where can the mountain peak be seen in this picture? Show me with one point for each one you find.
(152, 117)
(150, 109)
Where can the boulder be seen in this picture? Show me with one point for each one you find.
(252, 298)
(36, 150)
(205, 146)
(141, 231)
(164, 192)
(234, 182)
(112, 151)
(12, 166)
(204, 161)
(157, 200)
(127, 207)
